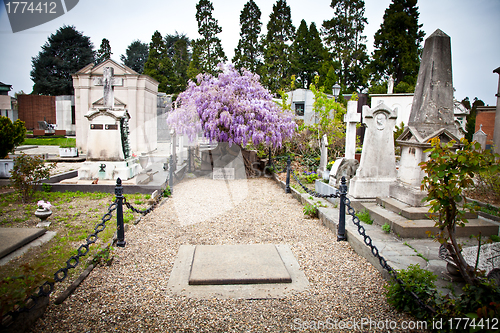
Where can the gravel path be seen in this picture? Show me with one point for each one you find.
(130, 295)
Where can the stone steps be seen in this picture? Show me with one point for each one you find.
(393, 213)
(411, 213)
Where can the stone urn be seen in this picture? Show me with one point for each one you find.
(143, 160)
(43, 213)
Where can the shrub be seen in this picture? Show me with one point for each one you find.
(11, 135)
(420, 282)
(310, 210)
(27, 173)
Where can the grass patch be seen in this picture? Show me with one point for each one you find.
(50, 141)
(364, 216)
(74, 217)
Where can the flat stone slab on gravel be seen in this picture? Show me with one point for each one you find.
(237, 264)
(178, 283)
(12, 239)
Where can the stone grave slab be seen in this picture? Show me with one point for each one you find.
(12, 239)
(237, 264)
(178, 282)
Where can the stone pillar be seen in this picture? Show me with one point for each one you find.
(351, 118)
(324, 158)
(496, 133)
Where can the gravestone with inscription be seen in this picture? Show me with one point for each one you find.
(108, 147)
(377, 168)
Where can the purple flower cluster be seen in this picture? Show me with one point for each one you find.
(232, 108)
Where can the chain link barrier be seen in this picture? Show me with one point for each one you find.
(346, 204)
(392, 272)
(48, 287)
(145, 211)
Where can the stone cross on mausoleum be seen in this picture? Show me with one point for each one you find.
(107, 139)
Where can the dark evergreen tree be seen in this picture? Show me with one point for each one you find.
(136, 56)
(343, 37)
(398, 44)
(248, 53)
(280, 34)
(470, 127)
(208, 48)
(159, 66)
(180, 62)
(65, 53)
(104, 52)
(308, 54)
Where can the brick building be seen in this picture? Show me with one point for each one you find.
(35, 108)
(486, 116)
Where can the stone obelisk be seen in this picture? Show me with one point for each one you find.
(431, 116)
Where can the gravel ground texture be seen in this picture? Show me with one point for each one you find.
(131, 294)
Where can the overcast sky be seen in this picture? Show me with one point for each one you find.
(472, 25)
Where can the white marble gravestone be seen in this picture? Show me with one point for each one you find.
(480, 137)
(108, 150)
(377, 169)
(351, 118)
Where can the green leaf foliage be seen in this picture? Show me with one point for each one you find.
(397, 43)
(136, 56)
(11, 135)
(280, 34)
(65, 53)
(450, 169)
(248, 53)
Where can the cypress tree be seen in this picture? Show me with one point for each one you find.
(343, 36)
(104, 52)
(208, 48)
(280, 34)
(248, 53)
(398, 43)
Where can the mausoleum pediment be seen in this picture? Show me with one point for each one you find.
(115, 114)
(92, 69)
(100, 103)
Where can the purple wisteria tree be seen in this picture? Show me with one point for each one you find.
(231, 108)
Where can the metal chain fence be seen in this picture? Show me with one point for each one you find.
(60, 275)
(345, 203)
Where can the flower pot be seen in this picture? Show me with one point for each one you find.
(68, 152)
(43, 213)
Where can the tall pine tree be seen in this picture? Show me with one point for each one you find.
(207, 50)
(65, 53)
(343, 36)
(248, 53)
(280, 34)
(104, 52)
(136, 56)
(398, 44)
(308, 54)
(159, 66)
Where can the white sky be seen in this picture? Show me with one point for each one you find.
(472, 25)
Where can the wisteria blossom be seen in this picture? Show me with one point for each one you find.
(231, 108)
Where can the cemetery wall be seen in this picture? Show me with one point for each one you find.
(35, 108)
